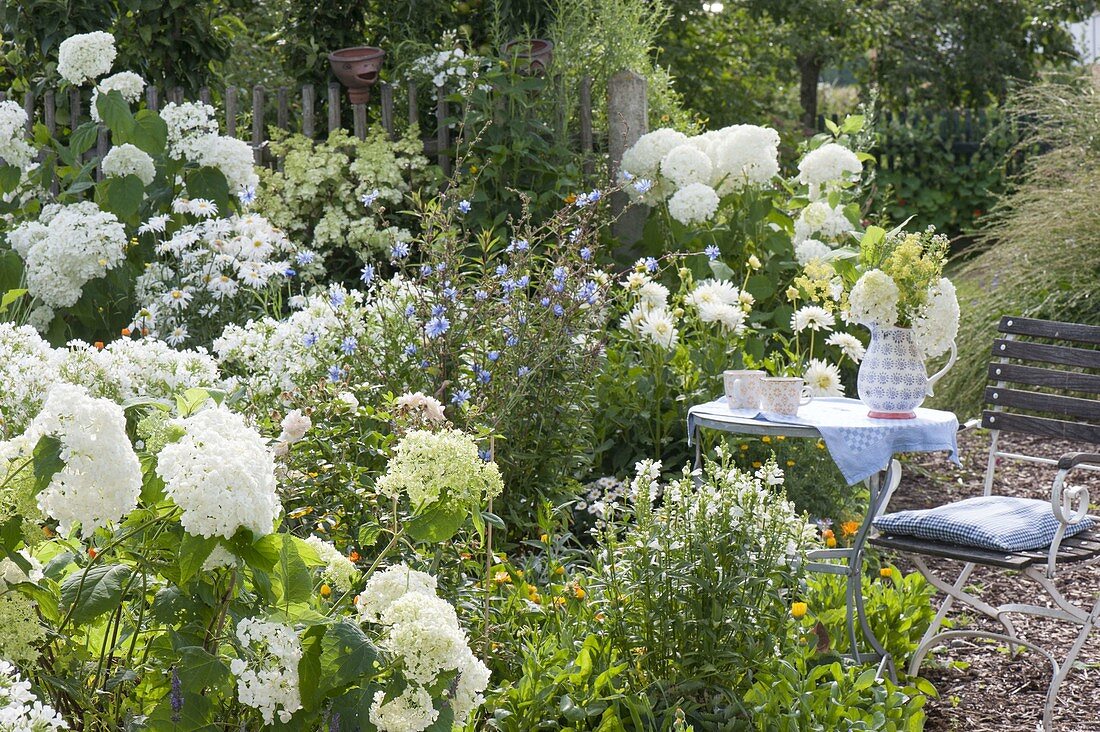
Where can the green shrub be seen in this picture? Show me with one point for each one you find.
(1037, 254)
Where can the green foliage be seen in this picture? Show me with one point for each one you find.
(170, 44)
(1035, 255)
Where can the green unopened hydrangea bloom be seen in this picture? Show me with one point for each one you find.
(442, 467)
(20, 631)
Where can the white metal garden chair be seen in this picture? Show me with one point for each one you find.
(1014, 404)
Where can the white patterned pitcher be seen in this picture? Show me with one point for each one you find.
(892, 379)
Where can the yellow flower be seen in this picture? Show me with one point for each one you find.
(744, 447)
(559, 601)
(821, 444)
(885, 572)
(545, 538)
(756, 463)
(766, 439)
(754, 262)
(830, 542)
(578, 592)
(781, 437)
(798, 609)
(325, 590)
(501, 577)
(559, 570)
(849, 528)
(790, 463)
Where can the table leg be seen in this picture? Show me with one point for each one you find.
(880, 487)
(698, 450)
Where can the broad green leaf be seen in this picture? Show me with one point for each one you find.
(852, 124)
(309, 666)
(115, 113)
(82, 140)
(760, 286)
(9, 178)
(722, 271)
(437, 523)
(194, 550)
(101, 591)
(200, 670)
(9, 297)
(150, 133)
(262, 554)
(347, 658)
(47, 461)
(291, 579)
(122, 196)
(209, 183)
(190, 400)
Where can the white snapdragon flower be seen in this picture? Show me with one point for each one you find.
(127, 159)
(221, 473)
(695, 203)
(874, 299)
(823, 378)
(935, 330)
(85, 57)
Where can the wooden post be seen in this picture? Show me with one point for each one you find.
(333, 107)
(50, 112)
(204, 95)
(151, 100)
(258, 123)
(177, 95)
(101, 145)
(74, 110)
(414, 112)
(387, 109)
(359, 115)
(231, 111)
(442, 135)
(307, 110)
(627, 120)
(282, 113)
(586, 126)
(28, 107)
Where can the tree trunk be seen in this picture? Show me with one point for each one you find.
(809, 66)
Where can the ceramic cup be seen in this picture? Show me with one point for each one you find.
(743, 388)
(783, 394)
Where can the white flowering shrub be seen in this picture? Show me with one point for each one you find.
(674, 556)
(160, 520)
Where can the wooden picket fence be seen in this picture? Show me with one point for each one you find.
(250, 113)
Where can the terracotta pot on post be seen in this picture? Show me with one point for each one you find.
(532, 55)
(357, 69)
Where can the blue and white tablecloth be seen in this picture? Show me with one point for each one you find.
(860, 446)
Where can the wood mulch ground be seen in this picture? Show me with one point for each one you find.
(981, 688)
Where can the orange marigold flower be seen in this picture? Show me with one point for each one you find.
(99, 345)
(849, 528)
(92, 552)
(354, 556)
(830, 542)
(125, 332)
(885, 572)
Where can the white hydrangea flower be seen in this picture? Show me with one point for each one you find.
(85, 57)
(812, 250)
(659, 327)
(423, 630)
(848, 344)
(219, 557)
(643, 158)
(935, 330)
(687, 164)
(101, 481)
(812, 317)
(126, 83)
(14, 150)
(695, 203)
(339, 570)
(20, 709)
(126, 159)
(189, 124)
(747, 155)
(233, 157)
(66, 247)
(818, 217)
(221, 473)
(823, 378)
(385, 588)
(410, 711)
(269, 682)
(874, 299)
(827, 164)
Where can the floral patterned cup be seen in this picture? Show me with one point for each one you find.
(783, 394)
(742, 388)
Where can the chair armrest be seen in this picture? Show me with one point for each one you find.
(1073, 459)
(970, 424)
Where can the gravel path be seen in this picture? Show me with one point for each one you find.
(981, 688)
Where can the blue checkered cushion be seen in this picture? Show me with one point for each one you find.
(1002, 523)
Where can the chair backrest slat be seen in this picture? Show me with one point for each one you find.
(1053, 378)
(1050, 329)
(1060, 355)
(1041, 426)
(1060, 401)
(1068, 406)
